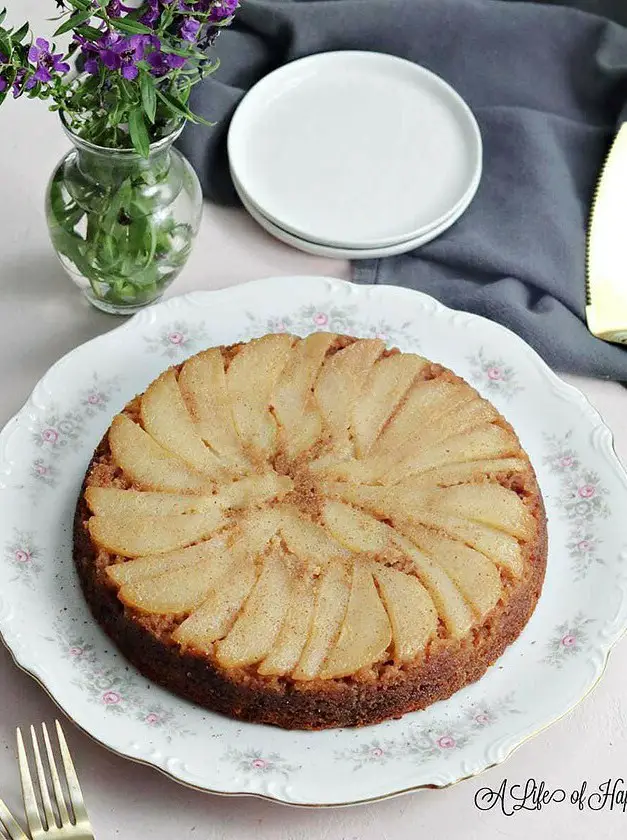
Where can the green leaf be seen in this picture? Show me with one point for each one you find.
(82, 5)
(71, 246)
(6, 47)
(89, 32)
(185, 92)
(167, 16)
(129, 90)
(74, 20)
(108, 222)
(109, 253)
(114, 115)
(132, 27)
(180, 108)
(3, 14)
(186, 52)
(139, 132)
(149, 97)
(18, 36)
(142, 242)
(176, 107)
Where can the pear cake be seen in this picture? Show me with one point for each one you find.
(311, 533)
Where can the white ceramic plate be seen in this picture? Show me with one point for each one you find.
(355, 149)
(555, 662)
(350, 253)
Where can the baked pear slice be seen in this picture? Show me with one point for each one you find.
(331, 601)
(166, 419)
(476, 577)
(150, 466)
(309, 541)
(489, 504)
(216, 612)
(288, 647)
(250, 379)
(253, 490)
(181, 590)
(386, 385)
(340, 383)
(366, 633)
(202, 382)
(154, 565)
(410, 608)
(354, 529)
(247, 492)
(485, 442)
(417, 419)
(449, 602)
(501, 548)
(292, 399)
(214, 618)
(134, 537)
(425, 403)
(460, 473)
(115, 502)
(259, 623)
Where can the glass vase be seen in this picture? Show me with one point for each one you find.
(122, 225)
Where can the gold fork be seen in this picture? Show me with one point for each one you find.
(62, 825)
(8, 825)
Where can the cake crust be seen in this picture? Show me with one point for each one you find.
(370, 696)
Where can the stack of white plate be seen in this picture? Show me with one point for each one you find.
(354, 154)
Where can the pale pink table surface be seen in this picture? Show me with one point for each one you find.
(42, 317)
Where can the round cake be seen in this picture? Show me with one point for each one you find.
(312, 532)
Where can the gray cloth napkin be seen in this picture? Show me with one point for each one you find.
(547, 84)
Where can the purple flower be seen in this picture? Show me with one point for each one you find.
(189, 29)
(90, 54)
(91, 66)
(152, 13)
(117, 53)
(3, 84)
(19, 86)
(161, 63)
(222, 9)
(47, 63)
(115, 8)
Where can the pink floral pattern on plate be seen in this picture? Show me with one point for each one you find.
(569, 640)
(493, 376)
(423, 743)
(59, 431)
(255, 762)
(178, 340)
(112, 685)
(582, 501)
(335, 319)
(23, 558)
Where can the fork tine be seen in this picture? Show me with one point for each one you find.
(74, 788)
(54, 775)
(10, 825)
(43, 784)
(33, 817)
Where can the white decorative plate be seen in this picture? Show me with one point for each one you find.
(352, 253)
(555, 662)
(355, 149)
